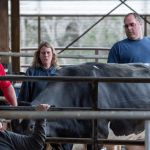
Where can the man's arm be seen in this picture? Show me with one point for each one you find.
(36, 141)
(10, 95)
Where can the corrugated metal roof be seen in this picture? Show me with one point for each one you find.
(83, 7)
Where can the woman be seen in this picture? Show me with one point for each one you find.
(44, 64)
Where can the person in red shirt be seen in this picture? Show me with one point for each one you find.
(8, 91)
(7, 88)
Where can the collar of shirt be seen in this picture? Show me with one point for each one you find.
(52, 69)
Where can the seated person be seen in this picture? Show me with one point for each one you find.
(44, 64)
(13, 141)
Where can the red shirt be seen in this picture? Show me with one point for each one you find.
(3, 84)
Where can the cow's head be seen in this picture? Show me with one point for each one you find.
(23, 126)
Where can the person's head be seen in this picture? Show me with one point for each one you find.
(133, 26)
(45, 55)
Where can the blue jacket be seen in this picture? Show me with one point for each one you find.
(29, 90)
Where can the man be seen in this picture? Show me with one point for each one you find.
(13, 141)
(135, 48)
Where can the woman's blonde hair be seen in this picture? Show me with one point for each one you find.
(37, 61)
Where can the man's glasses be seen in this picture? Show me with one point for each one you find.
(130, 25)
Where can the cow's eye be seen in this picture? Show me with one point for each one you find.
(32, 127)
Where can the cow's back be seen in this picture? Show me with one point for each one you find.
(110, 95)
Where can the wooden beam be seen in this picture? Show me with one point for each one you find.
(4, 39)
(15, 34)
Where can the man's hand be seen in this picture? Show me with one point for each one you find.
(42, 107)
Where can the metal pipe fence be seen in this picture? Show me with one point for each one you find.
(96, 56)
(58, 55)
(142, 115)
(93, 113)
(69, 48)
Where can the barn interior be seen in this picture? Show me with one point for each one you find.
(81, 31)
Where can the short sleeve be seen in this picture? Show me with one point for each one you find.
(113, 56)
(3, 84)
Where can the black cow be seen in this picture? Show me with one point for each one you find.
(110, 95)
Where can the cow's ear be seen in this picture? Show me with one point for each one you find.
(15, 126)
(23, 103)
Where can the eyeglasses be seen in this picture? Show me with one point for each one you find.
(131, 25)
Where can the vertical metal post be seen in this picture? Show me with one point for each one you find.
(94, 107)
(39, 30)
(96, 53)
(147, 135)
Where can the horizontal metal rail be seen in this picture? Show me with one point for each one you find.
(142, 115)
(58, 55)
(32, 108)
(96, 56)
(61, 65)
(90, 141)
(75, 79)
(75, 15)
(69, 48)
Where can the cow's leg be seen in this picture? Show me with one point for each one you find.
(89, 147)
(102, 131)
(48, 146)
(56, 146)
(112, 136)
(62, 146)
(113, 147)
(135, 147)
(66, 146)
(140, 136)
